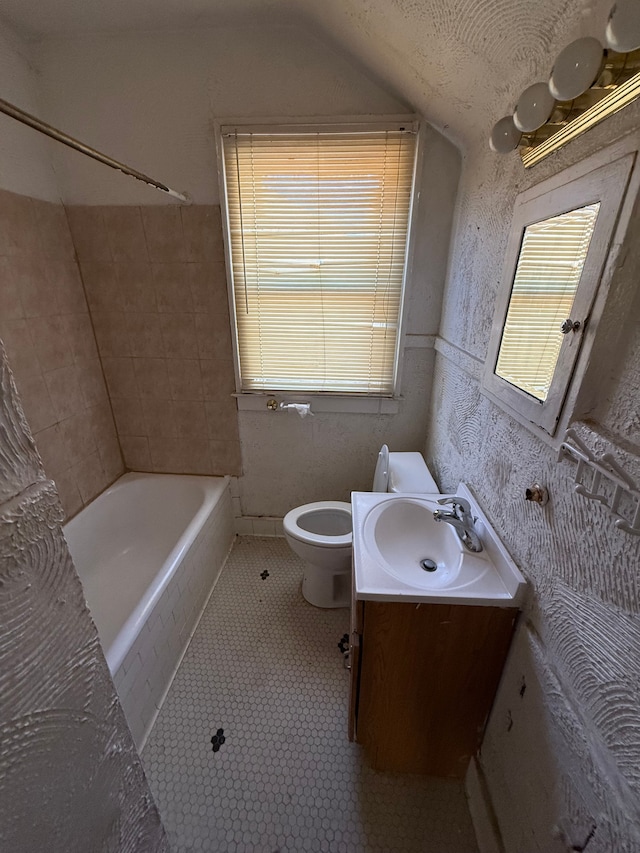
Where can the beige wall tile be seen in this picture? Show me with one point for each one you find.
(185, 381)
(121, 377)
(222, 418)
(199, 276)
(125, 233)
(89, 233)
(225, 457)
(166, 454)
(90, 477)
(53, 451)
(129, 417)
(64, 275)
(152, 378)
(36, 401)
(111, 456)
(78, 435)
(69, 492)
(37, 291)
(50, 341)
(145, 335)
(81, 337)
(111, 333)
(91, 381)
(159, 418)
(102, 286)
(196, 458)
(64, 391)
(205, 336)
(18, 233)
(202, 229)
(163, 230)
(214, 337)
(136, 286)
(102, 423)
(52, 349)
(191, 419)
(10, 303)
(179, 335)
(135, 451)
(218, 379)
(173, 292)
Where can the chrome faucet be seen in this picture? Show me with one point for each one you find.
(461, 519)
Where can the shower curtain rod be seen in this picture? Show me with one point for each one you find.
(42, 127)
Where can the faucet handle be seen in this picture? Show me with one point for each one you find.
(461, 506)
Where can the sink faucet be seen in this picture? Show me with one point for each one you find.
(461, 519)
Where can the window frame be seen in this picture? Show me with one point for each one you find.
(341, 401)
(607, 183)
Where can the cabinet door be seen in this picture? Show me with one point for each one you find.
(429, 673)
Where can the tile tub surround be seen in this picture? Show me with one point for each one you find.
(48, 335)
(156, 286)
(265, 668)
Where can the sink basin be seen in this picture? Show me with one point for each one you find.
(403, 536)
(401, 553)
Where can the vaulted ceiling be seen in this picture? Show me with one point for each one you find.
(461, 63)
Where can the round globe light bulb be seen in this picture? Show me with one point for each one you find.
(534, 107)
(505, 136)
(623, 28)
(576, 68)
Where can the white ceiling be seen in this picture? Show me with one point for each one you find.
(461, 63)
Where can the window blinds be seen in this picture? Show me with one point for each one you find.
(550, 265)
(318, 227)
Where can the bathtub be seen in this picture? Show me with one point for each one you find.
(148, 551)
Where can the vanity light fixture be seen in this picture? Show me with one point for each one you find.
(534, 108)
(623, 28)
(576, 69)
(587, 84)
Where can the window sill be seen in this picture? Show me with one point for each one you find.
(322, 403)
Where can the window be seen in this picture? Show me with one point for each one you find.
(318, 221)
(557, 250)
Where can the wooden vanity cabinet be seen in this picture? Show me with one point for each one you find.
(423, 679)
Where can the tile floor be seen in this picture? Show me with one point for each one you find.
(264, 666)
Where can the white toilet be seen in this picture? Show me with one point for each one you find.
(320, 533)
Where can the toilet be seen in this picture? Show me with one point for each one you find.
(320, 533)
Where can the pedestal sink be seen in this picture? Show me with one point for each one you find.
(402, 554)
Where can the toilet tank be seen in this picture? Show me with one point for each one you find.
(408, 473)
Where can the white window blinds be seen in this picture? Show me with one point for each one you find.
(550, 265)
(318, 227)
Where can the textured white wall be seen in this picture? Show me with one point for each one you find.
(25, 162)
(562, 752)
(70, 778)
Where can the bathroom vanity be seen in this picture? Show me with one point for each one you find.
(423, 678)
(427, 647)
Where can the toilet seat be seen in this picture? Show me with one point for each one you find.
(295, 518)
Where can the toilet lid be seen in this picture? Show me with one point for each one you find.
(381, 476)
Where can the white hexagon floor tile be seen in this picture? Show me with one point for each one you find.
(265, 668)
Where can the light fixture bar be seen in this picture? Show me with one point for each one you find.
(616, 100)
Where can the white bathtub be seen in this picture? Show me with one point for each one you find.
(149, 551)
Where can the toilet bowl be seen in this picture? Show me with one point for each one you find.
(320, 533)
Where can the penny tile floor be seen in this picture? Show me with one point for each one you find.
(250, 753)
